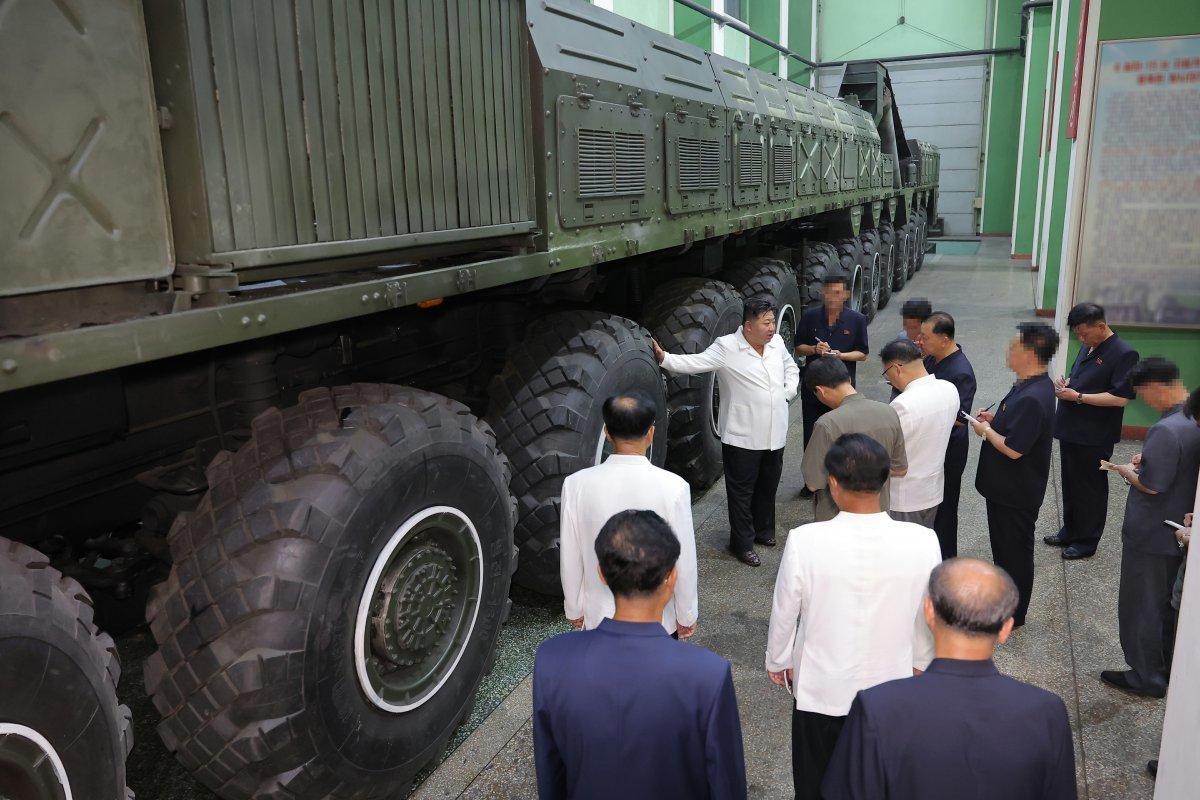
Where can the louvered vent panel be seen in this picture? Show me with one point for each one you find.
(783, 168)
(699, 164)
(750, 166)
(611, 163)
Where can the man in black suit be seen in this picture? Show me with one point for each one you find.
(960, 729)
(625, 711)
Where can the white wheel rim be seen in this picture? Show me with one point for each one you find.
(364, 609)
(60, 772)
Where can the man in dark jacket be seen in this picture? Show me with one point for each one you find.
(625, 711)
(960, 729)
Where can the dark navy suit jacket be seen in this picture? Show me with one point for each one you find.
(959, 730)
(625, 711)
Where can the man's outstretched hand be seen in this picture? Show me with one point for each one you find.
(659, 353)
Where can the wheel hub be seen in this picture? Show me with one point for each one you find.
(414, 607)
(30, 768)
(418, 608)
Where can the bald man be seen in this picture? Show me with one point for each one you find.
(960, 729)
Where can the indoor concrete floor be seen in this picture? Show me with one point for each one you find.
(1070, 636)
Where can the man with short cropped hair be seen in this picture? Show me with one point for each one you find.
(914, 311)
(851, 412)
(1091, 401)
(834, 331)
(946, 361)
(927, 408)
(960, 729)
(1014, 460)
(622, 711)
(1162, 487)
(758, 378)
(625, 480)
(847, 608)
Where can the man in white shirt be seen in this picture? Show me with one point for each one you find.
(758, 378)
(626, 480)
(848, 610)
(927, 407)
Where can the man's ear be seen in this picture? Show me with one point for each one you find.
(670, 580)
(930, 614)
(1005, 631)
(601, 574)
(608, 435)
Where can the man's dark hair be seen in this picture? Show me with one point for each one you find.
(916, 308)
(1191, 408)
(629, 415)
(1153, 370)
(836, 277)
(755, 307)
(900, 350)
(858, 462)
(828, 372)
(636, 550)
(1085, 314)
(1040, 338)
(943, 323)
(977, 608)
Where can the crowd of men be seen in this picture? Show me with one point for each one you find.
(881, 634)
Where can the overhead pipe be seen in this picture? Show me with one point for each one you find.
(741, 27)
(1026, 8)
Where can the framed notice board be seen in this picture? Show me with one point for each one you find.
(1139, 244)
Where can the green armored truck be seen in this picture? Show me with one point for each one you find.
(306, 310)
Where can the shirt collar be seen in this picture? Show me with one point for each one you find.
(620, 458)
(619, 628)
(1172, 410)
(920, 380)
(853, 397)
(959, 666)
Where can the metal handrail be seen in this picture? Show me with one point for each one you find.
(741, 27)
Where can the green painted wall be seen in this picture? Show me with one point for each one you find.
(654, 13)
(800, 39)
(1033, 135)
(1057, 200)
(853, 29)
(1136, 19)
(1003, 122)
(763, 17)
(692, 26)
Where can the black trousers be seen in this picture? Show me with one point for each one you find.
(813, 739)
(811, 409)
(751, 480)
(945, 524)
(1085, 492)
(1145, 617)
(1011, 533)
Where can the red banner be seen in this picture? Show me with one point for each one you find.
(1077, 76)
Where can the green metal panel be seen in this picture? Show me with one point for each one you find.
(697, 174)
(82, 201)
(603, 168)
(808, 154)
(325, 128)
(783, 163)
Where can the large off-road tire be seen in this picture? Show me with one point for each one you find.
(922, 237)
(914, 245)
(686, 316)
(545, 406)
(887, 263)
(872, 272)
(62, 731)
(335, 598)
(850, 256)
(774, 279)
(900, 271)
(820, 259)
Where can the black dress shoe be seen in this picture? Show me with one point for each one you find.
(1075, 552)
(1120, 680)
(1056, 540)
(749, 558)
(764, 541)
(1152, 768)
(804, 493)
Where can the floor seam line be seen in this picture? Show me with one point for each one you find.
(1071, 643)
(502, 748)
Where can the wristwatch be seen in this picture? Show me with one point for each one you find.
(1078, 398)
